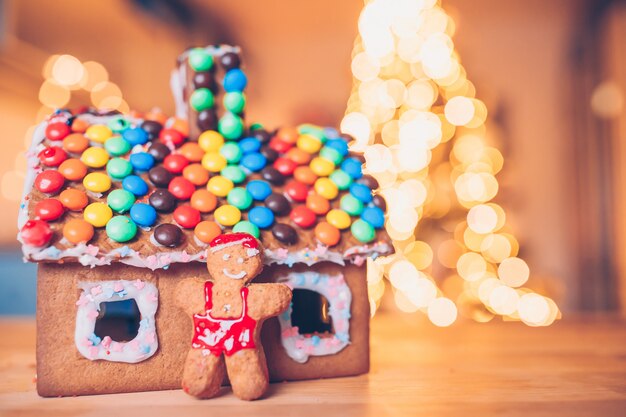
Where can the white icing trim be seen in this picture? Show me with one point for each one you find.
(144, 345)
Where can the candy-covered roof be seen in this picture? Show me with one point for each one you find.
(148, 190)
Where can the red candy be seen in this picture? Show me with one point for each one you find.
(36, 233)
(52, 156)
(49, 209)
(297, 191)
(171, 136)
(285, 166)
(187, 216)
(181, 188)
(280, 146)
(175, 163)
(57, 130)
(303, 216)
(49, 181)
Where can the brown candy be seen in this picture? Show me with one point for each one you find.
(380, 202)
(278, 203)
(230, 60)
(272, 175)
(285, 234)
(262, 135)
(153, 128)
(168, 235)
(369, 181)
(204, 79)
(159, 151)
(163, 201)
(160, 176)
(207, 120)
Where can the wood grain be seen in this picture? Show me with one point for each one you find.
(575, 368)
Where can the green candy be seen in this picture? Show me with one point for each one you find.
(256, 126)
(245, 226)
(331, 154)
(314, 131)
(362, 231)
(201, 99)
(341, 179)
(351, 205)
(121, 229)
(116, 146)
(230, 126)
(234, 102)
(119, 168)
(200, 60)
(120, 200)
(234, 173)
(119, 124)
(231, 151)
(240, 198)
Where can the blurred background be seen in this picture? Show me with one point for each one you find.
(552, 74)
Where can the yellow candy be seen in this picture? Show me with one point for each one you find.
(213, 162)
(98, 214)
(98, 133)
(227, 215)
(95, 157)
(97, 182)
(309, 143)
(326, 188)
(338, 218)
(220, 186)
(322, 167)
(210, 141)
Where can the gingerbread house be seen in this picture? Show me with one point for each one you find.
(119, 208)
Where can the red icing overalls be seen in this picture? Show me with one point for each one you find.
(223, 335)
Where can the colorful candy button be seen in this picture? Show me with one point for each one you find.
(339, 145)
(181, 188)
(352, 167)
(203, 200)
(78, 231)
(118, 124)
(379, 202)
(341, 179)
(313, 130)
(73, 169)
(196, 174)
(57, 130)
(278, 203)
(280, 145)
(305, 175)
(120, 200)
(162, 200)
(259, 189)
(179, 124)
(186, 216)
(374, 216)
(261, 217)
(235, 80)
(206, 231)
(309, 143)
(220, 186)
(230, 60)
(143, 214)
(135, 185)
(297, 191)
(254, 161)
(49, 181)
(116, 146)
(213, 162)
(234, 102)
(175, 163)
(362, 192)
(298, 156)
(322, 167)
(285, 166)
(79, 125)
(230, 126)
(201, 99)
(285, 234)
(210, 141)
(362, 231)
(98, 133)
(97, 182)
(338, 218)
(135, 136)
(326, 188)
(36, 233)
(234, 173)
(249, 145)
(52, 156)
(152, 127)
(331, 154)
(231, 152)
(75, 143)
(49, 209)
(98, 214)
(351, 205)
(245, 226)
(95, 157)
(288, 134)
(73, 199)
(142, 161)
(240, 198)
(171, 136)
(200, 60)
(227, 215)
(121, 229)
(192, 151)
(159, 151)
(318, 204)
(168, 235)
(303, 217)
(327, 234)
(160, 176)
(119, 168)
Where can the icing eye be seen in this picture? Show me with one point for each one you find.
(239, 260)
(226, 257)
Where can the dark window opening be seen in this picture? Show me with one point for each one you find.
(310, 312)
(119, 320)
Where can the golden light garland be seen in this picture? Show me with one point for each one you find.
(414, 116)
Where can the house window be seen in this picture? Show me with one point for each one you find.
(318, 320)
(115, 320)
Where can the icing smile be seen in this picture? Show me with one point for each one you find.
(234, 276)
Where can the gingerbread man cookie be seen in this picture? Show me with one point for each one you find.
(228, 314)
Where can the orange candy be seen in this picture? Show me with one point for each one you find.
(192, 151)
(155, 115)
(73, 169)
(288, 134)
(179, 125)
(74, 199)
(305, 175)
(79, 125)
(196, 174)
(78, 231)
(298, 156)
(203, 200)
(327, 234)
(206, 231)
(75, 143)
(317, 204)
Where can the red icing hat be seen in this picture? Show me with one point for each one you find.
(246, 240)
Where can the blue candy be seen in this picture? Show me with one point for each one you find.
(142, 161)
(259, 189)
(339, 145)
(235, 80)
(361, 192)
(374, 216)
(261, 217)
(352, 167)
(331, 133)
(249, 145)
(135, 136)
(135, 185)
(143, 214)
(254, 161)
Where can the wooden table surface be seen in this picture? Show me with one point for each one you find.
(577, 367)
